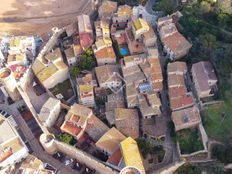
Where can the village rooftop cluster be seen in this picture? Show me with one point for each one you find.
(102, 84)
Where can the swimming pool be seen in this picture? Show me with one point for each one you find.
(124, 51)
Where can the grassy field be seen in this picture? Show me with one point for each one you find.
(217, 121)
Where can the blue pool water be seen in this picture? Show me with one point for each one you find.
(124, 51)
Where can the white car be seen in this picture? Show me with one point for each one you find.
(68, 162)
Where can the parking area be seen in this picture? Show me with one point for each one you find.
(73, 163)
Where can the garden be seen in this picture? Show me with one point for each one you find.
(189, 140)
(64, 88)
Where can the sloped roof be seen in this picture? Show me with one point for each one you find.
(127, 121)
(110, 141)
(96, 128)
(131, 154)
(186, 118)
(177, 43)
(204, 72)
(177, 67)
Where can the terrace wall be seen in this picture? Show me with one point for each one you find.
(54, 145)
(204, 139)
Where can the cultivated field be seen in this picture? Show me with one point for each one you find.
(38, 16)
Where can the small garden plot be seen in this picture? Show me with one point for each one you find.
(64, 88)
(189, 140)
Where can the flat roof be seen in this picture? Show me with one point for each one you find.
(50, 103)
(51, 56)
(47, 72)
(10, 141)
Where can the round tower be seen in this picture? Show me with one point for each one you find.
(47, 141)
(10, 84)
(55, 30)
(130, 170)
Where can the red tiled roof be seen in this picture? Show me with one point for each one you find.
(86, 40)
(70, 128)
(4, 155)
(74, 118)
(177, 43)
(181, 102)
(158, 86)
(156, 76)
(177, 67)
(177, 91)
(115, 158)
(204, 72)
(121, 40)
(186, 118)
(175, 80)
(107, 52)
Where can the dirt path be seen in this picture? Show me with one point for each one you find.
(21, 17)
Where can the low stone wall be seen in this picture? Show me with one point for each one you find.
(85, 158)
(52, 145)
(170, 168)
(204, 139)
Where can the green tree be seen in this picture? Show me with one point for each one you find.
(222, 153)
(205, 7)
(223, 18)
(88, 52)
(209, 43)
(75, 71)
(144, 146)
(66, 138)
(188, 169)
(87, 61)
(168, 6)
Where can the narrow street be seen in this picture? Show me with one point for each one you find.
(149, 5)
(171, 155)
(33, 142)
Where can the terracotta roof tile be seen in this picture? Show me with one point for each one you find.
(86, 40)
(177, 91)
(127, 121)
(70, 128)
(107, 52)
(183, 101)
(115, 158)
(204, 72)
(177, 43)
(186, 118)
(177, 67)
(176, 80)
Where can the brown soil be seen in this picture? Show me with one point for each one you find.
(20, 17)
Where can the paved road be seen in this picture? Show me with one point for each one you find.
(149, 5)
(174, 155)
(34, 143)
